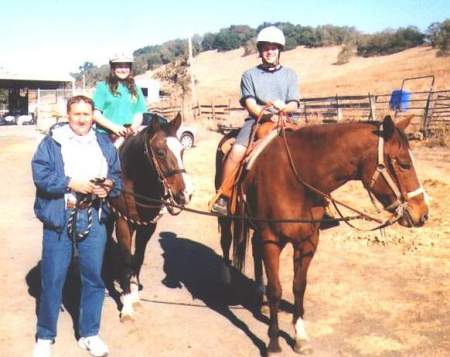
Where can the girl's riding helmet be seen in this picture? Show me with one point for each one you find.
(121, 58)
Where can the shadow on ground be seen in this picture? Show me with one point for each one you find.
(202, 272)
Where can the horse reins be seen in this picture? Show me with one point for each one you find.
(148, 150)
(399, 205)
(381, 170)
(71, 222)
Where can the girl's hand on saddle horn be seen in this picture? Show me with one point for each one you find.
(120, 130)
(279, 105)
(133, 130)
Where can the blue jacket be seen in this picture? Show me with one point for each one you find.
(51, 183)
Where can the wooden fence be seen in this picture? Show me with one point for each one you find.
(431, 109)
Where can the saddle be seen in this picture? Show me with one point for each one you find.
(263, 136)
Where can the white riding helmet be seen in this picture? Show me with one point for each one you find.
(121, 58)
(271, 34)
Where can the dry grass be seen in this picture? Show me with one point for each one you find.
(218, 74)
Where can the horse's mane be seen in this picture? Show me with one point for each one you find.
(327, 131)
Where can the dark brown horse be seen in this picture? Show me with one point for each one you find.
(152, 167)
(326, 157)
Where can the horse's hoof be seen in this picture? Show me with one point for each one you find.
(273, 348)
(264, 309)
(302, 347)
(126, 318)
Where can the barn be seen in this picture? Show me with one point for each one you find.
(21, 95)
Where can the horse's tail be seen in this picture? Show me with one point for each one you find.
(241, 233)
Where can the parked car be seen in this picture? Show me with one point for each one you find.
(187, 134)
(11, 118)
(26, 119)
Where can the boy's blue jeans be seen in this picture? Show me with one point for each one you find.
(56, 258)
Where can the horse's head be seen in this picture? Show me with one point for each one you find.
(166, 153)
(394, 180)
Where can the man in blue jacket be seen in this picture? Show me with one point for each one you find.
(74, 170)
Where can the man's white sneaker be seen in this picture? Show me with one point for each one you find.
(42, 348)
(94, 345)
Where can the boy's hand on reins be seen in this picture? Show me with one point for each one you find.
(81, 186)
(102, 187)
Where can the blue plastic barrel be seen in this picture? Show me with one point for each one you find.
(400, 100)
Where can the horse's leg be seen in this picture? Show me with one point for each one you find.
(125, 238)
(271, 255)
(258, 270)
(143, 235)
(225, 243)
(303, 255)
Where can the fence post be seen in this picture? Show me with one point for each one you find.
(372, 107)
(338, 110)
(306, 113)
(213, 111)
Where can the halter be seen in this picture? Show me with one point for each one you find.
(402, 197)
(162, 176)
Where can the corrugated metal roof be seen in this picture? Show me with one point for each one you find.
(36, 77)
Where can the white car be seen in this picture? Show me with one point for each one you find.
(187, 134)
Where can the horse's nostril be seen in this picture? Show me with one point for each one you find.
(425, 218)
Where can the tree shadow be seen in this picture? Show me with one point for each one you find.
(71, 292)
(201, 271)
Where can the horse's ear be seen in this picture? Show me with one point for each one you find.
(403, 124)
(155, 125)
(388, 127)
(174, 124)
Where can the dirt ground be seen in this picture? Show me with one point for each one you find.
(368, 294)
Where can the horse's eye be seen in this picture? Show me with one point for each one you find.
(160, 153)
(404, 165)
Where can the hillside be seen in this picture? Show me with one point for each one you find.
(218, 73)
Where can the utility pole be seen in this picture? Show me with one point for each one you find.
(191, 71)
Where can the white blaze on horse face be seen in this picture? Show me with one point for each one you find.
(175, 146)
(420, 189)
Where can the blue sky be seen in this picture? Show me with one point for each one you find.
(56, 36)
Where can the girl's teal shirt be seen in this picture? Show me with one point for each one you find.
(120, 108)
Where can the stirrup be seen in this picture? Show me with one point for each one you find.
(220, 206)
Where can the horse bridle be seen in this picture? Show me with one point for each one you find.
(162, 176)
(402, 197)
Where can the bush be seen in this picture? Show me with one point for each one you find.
(438, 35)
(225, 41)
(388, 42)
(250, 47)
(345, 54)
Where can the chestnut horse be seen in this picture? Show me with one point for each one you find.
(152, 167)
(276, 188)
